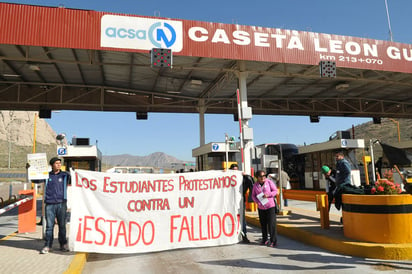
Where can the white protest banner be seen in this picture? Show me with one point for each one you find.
(39, 168)
(138, 213)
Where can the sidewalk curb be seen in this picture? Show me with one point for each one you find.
(352, 248)
(77, 264)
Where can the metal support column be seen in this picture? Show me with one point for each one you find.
(202, 110)
(248, 143)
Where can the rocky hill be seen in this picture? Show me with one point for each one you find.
(157, 159)
(17, 135)
(386, 132)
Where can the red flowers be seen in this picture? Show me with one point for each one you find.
(386, 186)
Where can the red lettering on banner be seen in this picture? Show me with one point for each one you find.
(121, 231)
(111, 230)
(107, 232)
(138, 234)
(97, 228)
(207, 184)
(186, 202)
(195, 228)
(85, 229)
(152, 204)
(85, 183)
(137, 186)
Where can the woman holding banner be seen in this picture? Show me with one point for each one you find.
(264, 192)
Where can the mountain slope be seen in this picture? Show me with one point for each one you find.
(157, 159)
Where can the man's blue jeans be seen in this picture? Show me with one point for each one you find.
(55, 211)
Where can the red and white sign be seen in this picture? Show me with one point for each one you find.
(85, 29)
(138, 213)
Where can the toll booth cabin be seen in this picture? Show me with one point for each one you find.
(270, 156)
(316, 155)
(81, 155)
(212, 156)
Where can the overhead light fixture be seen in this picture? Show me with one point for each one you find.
(173, 92)
(342, 86)
(11, 75)
(376, 120)
(196, 82)
(34, 67)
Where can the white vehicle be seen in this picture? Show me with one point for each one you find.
(131, 169)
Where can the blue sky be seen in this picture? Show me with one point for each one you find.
(178, 134)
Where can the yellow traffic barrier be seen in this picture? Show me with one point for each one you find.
(320, 197)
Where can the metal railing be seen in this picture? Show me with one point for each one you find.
(16, 204)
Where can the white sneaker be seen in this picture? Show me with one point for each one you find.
(45, 250)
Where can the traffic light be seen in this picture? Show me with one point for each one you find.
(141, 115)
(327, 69)
(232, 142)
(161, 58)
(45, 113)
(314, 119)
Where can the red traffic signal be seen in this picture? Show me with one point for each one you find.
(161, 58)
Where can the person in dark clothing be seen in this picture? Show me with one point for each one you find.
(378, 167)
(330, 176)
(343, 180)
(247, 184)
(55, 199)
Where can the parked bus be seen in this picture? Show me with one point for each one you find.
(269, 156)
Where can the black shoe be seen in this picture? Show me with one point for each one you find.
(245, 240)
(64, 248)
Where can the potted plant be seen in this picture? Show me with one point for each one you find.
(383, 216)
(386, 186)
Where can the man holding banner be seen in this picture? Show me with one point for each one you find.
(55, 198)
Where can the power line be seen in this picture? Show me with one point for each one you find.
(389, 21)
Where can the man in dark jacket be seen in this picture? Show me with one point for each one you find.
(247, 183)
(343, 180)
(55, 199)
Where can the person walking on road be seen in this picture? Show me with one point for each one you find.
(247, 184)
(285, 183)
(55, 200)
(263, 193)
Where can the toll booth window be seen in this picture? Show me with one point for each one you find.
(215, 162)
(308, 163)
(79, 165)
